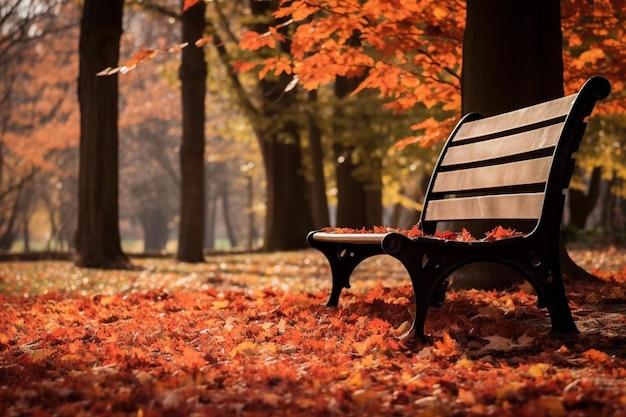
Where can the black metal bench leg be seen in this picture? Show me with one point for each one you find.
(343, 258)
(557, 304)
(551, 295)
(426, 287)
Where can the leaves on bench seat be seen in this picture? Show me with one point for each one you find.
(497, 233)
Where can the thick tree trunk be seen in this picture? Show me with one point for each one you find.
(512, 57)
(97, 236)
(512, 54)
(193, 73)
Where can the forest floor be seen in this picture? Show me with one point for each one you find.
(248, 335)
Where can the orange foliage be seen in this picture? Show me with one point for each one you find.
(411, 51)
(248, 335)
(497, 233)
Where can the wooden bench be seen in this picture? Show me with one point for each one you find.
(512, 170)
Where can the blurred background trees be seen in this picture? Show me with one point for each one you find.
(282, 154)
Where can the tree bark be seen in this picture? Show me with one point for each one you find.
(319, 202)
(512, 57)
(226, 212)
(193, 73)
(581, 204)
(288, 215)
(97, 237)
(359, 202)
(155, 231)
(210, 208)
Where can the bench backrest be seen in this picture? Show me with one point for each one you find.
(511, 167)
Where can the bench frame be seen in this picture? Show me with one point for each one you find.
(429, 261)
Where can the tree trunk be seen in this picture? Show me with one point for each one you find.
(155, 231)
(193, 73)
(319, 202)
(288, 216)
(351, 199)
(25, 232)
(359, 202)
(211, 217)
(97, 236)
(581, 204)
(512, 57)
(226, 212)
(512, 54)
(7, 238)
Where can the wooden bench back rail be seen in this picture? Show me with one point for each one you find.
(509, 168)
(500, 167)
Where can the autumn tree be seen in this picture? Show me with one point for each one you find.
(409, 52)
(97, 236)
(278, 130)
(38, 126)
(288, 214)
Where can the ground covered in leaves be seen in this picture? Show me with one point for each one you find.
(248, 335)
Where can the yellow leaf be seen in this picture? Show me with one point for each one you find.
(246, 348)
(539, 370)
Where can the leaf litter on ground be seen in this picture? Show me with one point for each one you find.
(248, 334)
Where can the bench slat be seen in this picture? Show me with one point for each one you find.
(533, 171)
(515, 119)
(505, 146)
(349, 237)
(506, 206)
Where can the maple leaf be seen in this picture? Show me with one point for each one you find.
(253, 41)
(243, 66)
(278, 65)
(504, 344)
(445, 235)
(298, 12)
(415, 231)
(380, 229)
(596, 356)
(500, 232)
(447, 346)
(466, 236)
